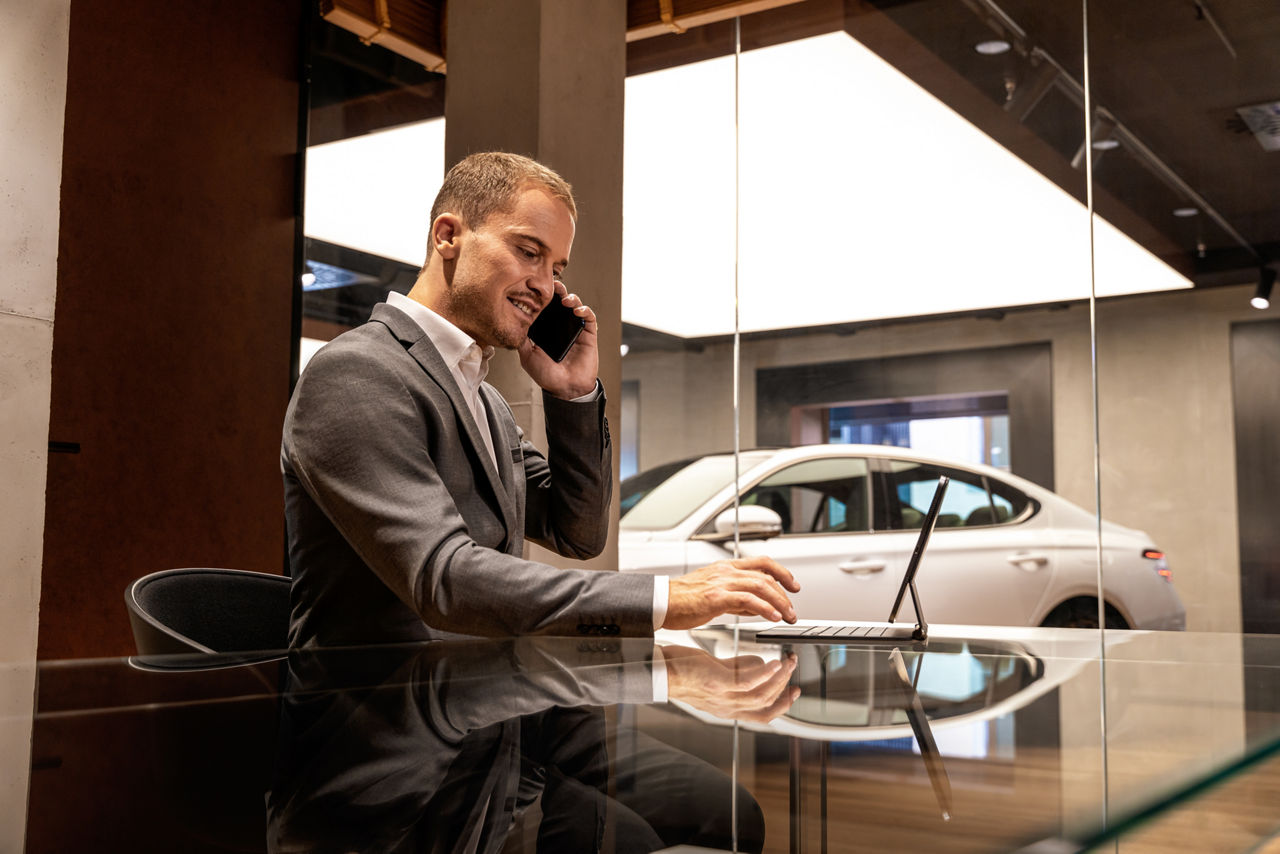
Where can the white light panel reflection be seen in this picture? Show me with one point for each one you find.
(374, 192)
(862, 197)
(678, 200)
(308, 347)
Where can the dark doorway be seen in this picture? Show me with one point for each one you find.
(1021, 376)
(1255, 379)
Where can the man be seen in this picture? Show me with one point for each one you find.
(408, 487)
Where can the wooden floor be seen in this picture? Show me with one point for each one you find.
(886, 805)
(1241, 814)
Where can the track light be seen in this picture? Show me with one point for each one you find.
(1262, 296)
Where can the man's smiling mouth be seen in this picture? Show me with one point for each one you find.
(525, 307)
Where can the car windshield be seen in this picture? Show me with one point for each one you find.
(633, 488)
(685, 489)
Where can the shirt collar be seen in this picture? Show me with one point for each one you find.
(458, 349)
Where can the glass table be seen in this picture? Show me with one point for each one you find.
(985, 739)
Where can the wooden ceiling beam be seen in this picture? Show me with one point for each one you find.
(413, 29)
(416, 29)
(649, 18)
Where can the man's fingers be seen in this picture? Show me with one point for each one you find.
(755, 587)
(585, 312)
(764, 588)
(748, 603)
(772, 568)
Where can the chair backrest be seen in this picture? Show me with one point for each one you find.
(208, 611)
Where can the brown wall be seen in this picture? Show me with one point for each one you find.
(172, 322)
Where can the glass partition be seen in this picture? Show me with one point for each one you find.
(1182, 144)
(679, 362)
(1183, 136)
(914, 288)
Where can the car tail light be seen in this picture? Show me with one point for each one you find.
(1162, 563)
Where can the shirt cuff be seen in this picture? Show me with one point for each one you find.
(661, 592)
(590, 396)
(659, 676)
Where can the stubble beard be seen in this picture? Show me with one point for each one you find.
(474, 313)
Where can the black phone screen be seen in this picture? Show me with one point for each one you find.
(556, 328)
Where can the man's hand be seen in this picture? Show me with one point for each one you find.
(576, 375)
(745, 688)
(748, 587)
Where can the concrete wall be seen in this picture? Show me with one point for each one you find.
(1168, 460)
(32, 96)
(33, 86)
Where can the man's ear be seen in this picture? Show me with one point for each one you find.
(445, 234)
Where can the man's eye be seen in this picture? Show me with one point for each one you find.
(528, 253)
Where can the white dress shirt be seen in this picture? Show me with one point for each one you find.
(469, 364)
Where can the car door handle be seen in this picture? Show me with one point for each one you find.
(862, 567)
(1029, 561)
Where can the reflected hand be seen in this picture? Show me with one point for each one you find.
(744, 688)
(747, 587)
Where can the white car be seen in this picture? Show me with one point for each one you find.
(844, 519)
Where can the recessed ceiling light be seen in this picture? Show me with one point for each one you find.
(1186, 212)
(992, 47)
(1106, 144)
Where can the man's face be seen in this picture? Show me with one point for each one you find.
(505, 269)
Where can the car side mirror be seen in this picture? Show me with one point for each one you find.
(754, 523)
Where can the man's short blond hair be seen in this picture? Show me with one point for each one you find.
(486, 183)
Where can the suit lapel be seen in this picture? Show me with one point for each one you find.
(504, 438)
(428, 357)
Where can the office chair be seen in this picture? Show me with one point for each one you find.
(198, 612)
(209, 763)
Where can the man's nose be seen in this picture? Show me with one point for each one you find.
(544, 284)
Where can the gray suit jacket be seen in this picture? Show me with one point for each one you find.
(400, 528)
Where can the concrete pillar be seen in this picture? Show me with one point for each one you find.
(33, 90)
(545, 78)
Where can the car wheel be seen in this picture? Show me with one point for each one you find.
(1082, 614)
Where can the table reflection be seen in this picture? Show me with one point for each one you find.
(449, 748)
(560, 745)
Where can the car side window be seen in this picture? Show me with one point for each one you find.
(817, 496)
(1007, 502)
(968, 502)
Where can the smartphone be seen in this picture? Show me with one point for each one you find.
(556, 328)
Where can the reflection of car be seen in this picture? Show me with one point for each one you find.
(844, 519)
(961, 681)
